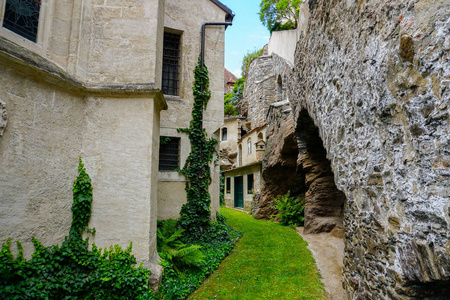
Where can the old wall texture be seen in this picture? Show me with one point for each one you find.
(172, 197)
(87, 87)
(374, 77)
(49, 128)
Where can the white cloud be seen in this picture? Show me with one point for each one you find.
(260, 37)
(237, 73)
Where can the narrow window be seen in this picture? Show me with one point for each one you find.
(169, 153)
(224, 134)
(249, 145)
(171, 64)
(250, 183)
(228, 185)
(22, 17)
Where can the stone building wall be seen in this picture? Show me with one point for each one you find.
(374, 77)
(260, 91)
(171, 190)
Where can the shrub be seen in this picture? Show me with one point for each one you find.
(172, 249)
(72, 271)
(216, 241)
(290, 209)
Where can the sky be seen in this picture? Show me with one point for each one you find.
(246, 34)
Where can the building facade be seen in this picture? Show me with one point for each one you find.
(241, 158)
(90, 78)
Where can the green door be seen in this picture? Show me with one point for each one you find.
(239, 191)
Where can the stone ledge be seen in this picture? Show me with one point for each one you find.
(35, 65)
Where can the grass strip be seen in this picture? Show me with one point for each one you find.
(269, 262)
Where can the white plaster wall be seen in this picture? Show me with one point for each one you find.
(283, 44)
(232, 126)
(253, 136)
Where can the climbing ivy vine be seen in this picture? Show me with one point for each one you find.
(195, 214)
(72, 271)
(82, 201)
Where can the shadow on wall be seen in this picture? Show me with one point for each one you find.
(324, 203)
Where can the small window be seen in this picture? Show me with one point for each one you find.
(228, 185)
(249, 146)
(260, 136)
(250, 184)
(22, 17)
(224, 134)
(169, 153)
(171, 64)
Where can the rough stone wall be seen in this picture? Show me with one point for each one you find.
(374, 77)
(279, 165)
(260, 91)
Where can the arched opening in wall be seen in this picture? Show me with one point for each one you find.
(224, 134)
(279, 88)
(260, 136)
(240, 155)
(324, 203)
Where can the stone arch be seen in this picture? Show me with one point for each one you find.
(324, 203)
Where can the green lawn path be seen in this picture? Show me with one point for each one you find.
(269, 262)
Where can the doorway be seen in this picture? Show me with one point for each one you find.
(239, 191)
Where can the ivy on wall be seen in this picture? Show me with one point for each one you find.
(72, 271)
(195, 214)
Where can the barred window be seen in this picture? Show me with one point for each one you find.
(250, 182)
(169, 153)
(22, 17)
(228, 185)
(171, 64)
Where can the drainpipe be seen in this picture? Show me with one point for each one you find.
(202, 64)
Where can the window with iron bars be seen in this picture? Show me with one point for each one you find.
(169, 153)
(171, 64)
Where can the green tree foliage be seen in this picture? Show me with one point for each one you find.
(248, 58)
(290, 209)
(195, 214)
(279, 15)
(229, 109)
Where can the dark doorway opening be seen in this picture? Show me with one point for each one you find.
(239, 191)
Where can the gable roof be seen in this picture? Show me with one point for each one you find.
(229, 12)
(229, 77)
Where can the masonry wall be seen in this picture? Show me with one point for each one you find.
(48, 128)
(179, 113)
(88, 87)
(374, 77)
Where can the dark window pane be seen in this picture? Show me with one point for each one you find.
(224, 134)
(228, 186)
(171, 64)
(22, 17)
(169, 153)
(250, 184)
